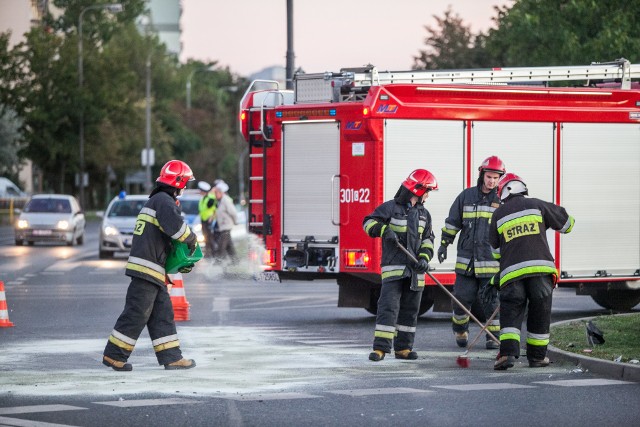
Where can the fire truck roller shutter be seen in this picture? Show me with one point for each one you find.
(311, 161)
(437, 145)
(526, 148)
(600, 188)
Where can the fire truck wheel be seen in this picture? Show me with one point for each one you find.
(617, 299)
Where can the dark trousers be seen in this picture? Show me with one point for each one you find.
(208, 238)
(147, 304)
(397, 316)
(537, 293)
(225, 245)
(466, 290)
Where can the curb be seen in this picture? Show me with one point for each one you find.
(616, 370)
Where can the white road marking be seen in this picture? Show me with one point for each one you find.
(378, 391)
(488, 386)
(32, 409)
(582, 383)
(221, 304)
(268, 396)
(148, 402)
(6, 421)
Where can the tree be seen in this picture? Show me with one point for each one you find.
(10, 139)
(450, 45)
(563, 32)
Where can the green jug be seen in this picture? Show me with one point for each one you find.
(179, 257)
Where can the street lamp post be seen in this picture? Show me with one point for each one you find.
(113, 8)
(189, 78)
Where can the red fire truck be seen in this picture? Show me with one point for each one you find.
(327, 153)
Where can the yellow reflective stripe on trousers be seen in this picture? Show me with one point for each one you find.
(119, 343)
(145, 270)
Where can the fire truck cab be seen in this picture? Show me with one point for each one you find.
(323, 156)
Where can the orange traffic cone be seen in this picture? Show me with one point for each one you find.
(179, 298)
(4, 310)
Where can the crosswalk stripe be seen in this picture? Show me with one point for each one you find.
(378, 391)
(488, 386)
(268, 396)
(583, 382)
(147, 402)
(32, 409)
(6, 421)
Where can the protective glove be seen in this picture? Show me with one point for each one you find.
(489, 292)
(186, 269)
(192, 245)
(442, 253)
(390, 236)
(422, 266)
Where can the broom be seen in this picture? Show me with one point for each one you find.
(437, 282)
(463, 360)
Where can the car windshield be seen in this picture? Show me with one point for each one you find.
(189, 207)
(49, 205)
(123, 208)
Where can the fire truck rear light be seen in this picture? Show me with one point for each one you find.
(356, 258)
(243, 116)
(365, 111)
(269, 257)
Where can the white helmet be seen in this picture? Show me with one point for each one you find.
(511, 184)
(204, 186)
(222, 186)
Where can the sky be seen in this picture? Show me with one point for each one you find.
(250, 35)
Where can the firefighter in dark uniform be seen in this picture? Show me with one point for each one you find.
(469, 215)
(148, 301)
(405, 220)
(527, 270)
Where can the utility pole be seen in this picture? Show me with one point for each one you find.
(290, 55)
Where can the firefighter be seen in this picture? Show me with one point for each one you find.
(404, 220)
(470, 214)
(207, 210)
(527, 270)
(148, 301)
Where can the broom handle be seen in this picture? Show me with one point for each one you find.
(475, 340)
(465, 309)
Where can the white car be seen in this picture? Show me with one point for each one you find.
(118, 222)
(51, 218)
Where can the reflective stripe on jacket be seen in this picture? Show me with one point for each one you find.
(159, 222)
(394, 215)
(519, 240)
(469, 215)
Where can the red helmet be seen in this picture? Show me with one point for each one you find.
(510, 183)
(492, 164)
(175, 173)
(420, 181)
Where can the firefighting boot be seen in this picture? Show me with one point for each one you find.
(181, 364)
(116, 364)
(491, 344)
(462, 338)
(406, 354)
(376, 355)
(504, 362)
(536, 363)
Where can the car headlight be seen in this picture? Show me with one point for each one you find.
(23, 223)
(63, 225)
(110, 230)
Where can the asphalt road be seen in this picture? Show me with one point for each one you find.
(276, 354)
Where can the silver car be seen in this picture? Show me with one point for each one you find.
(118, 222)
(50, 218)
